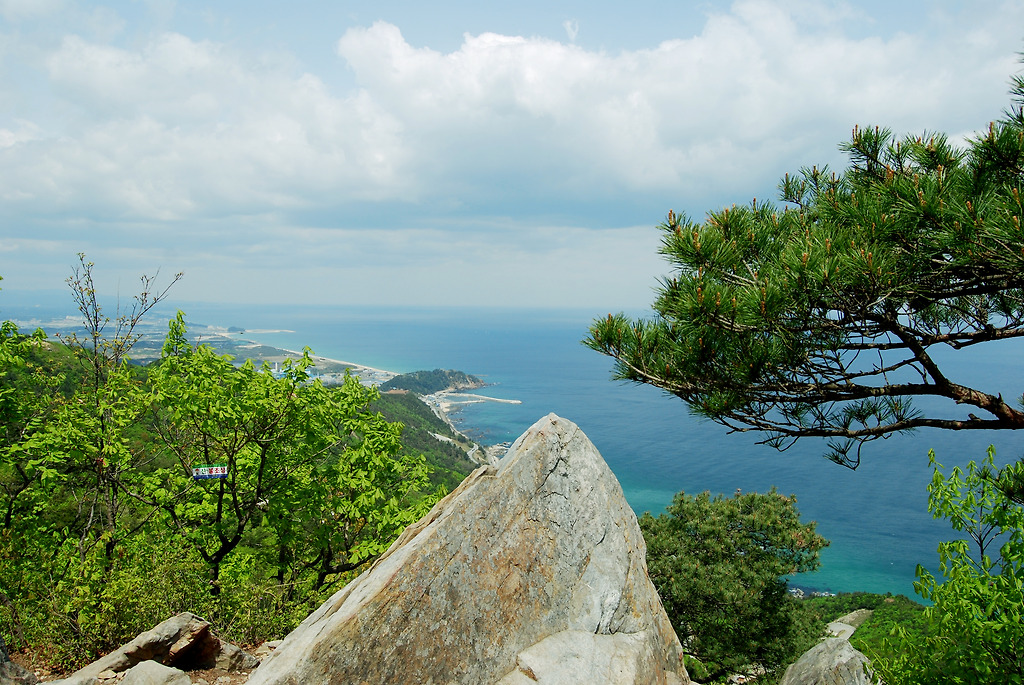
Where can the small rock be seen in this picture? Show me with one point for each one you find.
(840, 629)
(11, 673)
(184, 641)
(181, 639)
(264, 650)
(233, 659)
(152, 673)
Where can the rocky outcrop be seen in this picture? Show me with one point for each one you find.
(530, 572)
(844, 626)
(833, 661)
(573, 656)
(10, 672)
(184, 642)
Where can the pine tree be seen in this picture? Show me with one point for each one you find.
(821, 317)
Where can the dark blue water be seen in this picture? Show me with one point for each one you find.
(876, 517)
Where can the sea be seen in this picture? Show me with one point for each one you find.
(876, 517)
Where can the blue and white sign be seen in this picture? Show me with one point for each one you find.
(210, 471)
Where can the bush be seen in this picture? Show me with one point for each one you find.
(974, 631)
(718, 564)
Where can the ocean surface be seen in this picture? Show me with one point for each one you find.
(876, 517)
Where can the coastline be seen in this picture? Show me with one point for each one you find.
(442, 403)
(237, 344)
(642, 451)
(333, 370)
(641, 434)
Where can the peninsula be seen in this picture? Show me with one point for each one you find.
(442, 391)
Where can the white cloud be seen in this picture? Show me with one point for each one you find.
(181, 127)
(207, 154)
(23, 132)
(14, 10)
(756, 89)
(572, 29)
(178, 126)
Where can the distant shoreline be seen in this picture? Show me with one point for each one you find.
(237, 344)
(368, 375)
(442, 403)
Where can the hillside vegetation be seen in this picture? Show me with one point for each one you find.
(429, 382)
(446, 454)
(101, 499)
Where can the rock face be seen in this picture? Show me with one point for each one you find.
(10, 672)
(530, 572)
(184, 641)
(833, 661)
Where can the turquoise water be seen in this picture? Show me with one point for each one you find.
(876, 516)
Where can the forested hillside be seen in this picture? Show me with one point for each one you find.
(129, 493)
(446, 454)
(429, 382)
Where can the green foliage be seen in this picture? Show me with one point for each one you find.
(25, 401)
(98, 604)
(719, 565)
(71, 431)
(819, 318)
(429, 382)
(108, 351)
(888, 613)
(104, 532)
(974, 632)
(447, 458)
(307, 462)
(873, 638)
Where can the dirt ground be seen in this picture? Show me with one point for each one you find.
(212, 676)
(216, 676)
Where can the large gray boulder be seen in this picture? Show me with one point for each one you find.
(533, 571)
(833, 661)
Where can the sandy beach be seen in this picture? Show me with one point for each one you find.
(443, 403)
(329, 371)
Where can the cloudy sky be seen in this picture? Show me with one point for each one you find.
(450, 152)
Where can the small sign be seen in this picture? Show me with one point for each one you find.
(210, 471)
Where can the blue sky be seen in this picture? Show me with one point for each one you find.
(445, 153)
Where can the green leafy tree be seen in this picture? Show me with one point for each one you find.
(304, 461)
(24, 404)
(332, 494)
(821, 318)
(30, 393)
(719, 565)
(974, 630)
(90, 433)
(69, 415)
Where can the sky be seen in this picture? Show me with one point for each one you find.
(444, 153)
